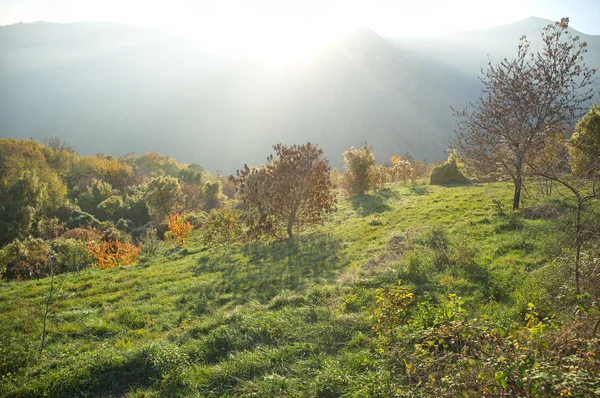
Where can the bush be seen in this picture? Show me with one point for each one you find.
(26, 259)
(82, 234)
(49, 228)
(223, 226)
(81, 219)
(113, 234)
(179, 228)
(124, 225)
(390, 310)
(447, 173)
(112, 254)
(359, 164)
(213, 196)
(70, 255)
(149, 242)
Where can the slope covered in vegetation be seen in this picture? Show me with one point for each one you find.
(484, 307)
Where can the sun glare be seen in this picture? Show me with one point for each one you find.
(278, 37)
(274, 41)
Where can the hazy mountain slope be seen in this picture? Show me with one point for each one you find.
(470, 50)
(115, 88)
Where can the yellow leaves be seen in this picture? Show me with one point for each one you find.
(112, 254)
(390, 309)
(179, 228)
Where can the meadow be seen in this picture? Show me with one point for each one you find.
(278, 318)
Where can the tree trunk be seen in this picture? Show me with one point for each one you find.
(518, 186)
(290, 232)
(518, 183)
(578, 244)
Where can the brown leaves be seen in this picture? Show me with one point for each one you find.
(293, 189)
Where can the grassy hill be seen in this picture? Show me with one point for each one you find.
(295, 319)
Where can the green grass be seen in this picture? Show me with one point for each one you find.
(275, 318)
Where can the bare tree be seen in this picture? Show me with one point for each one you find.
(522, 101)
(52, 299)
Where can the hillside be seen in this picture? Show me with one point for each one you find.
(296, 319)
(116, 89)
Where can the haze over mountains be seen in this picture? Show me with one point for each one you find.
(114, 88)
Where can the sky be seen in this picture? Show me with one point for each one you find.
(388, 17)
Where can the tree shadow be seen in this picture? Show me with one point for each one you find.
(261, 270)
(373, 203)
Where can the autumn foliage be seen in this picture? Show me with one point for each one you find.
(179, 227)
(360, 172)
(112, 254)
(292, 190)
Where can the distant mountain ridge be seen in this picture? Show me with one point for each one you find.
(114, 88)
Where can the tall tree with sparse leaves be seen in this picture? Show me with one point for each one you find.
(524, 100)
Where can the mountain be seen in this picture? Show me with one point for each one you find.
(468, 51)
(115, 88)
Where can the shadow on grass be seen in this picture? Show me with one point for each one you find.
(107, 376)
(373, 203)
(262, 270)
(418, 190)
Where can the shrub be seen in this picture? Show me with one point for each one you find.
(212, 195)
(113, 234)
(70, 255)
(447, 173)
(390, 310)
(292, 190)
(179, 228)
(124, 225)
(80, 219)
(82, 234)
(380, 175)
(26, 259)
(223, 226)
(149, 242)
(49, 228)
(358, 169)
(112, 254)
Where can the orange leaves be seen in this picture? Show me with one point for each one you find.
(179, 228)
(112, 254)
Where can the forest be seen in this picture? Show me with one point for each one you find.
(140, 276)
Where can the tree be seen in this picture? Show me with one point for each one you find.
(359, 164)
(212, 196)
(584, 146)
(581, 153)
(523, 100)
(95, 193)
(163, 197)
(293, 189)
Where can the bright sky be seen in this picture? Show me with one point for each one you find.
(302, 23)
(394, 17)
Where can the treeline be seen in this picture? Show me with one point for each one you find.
(54, 201)
(61, 211)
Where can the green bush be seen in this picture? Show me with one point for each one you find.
(70, 255)
(30, 258)
(81, 219)
(125, 225)
(150, 242)
(447, 173)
